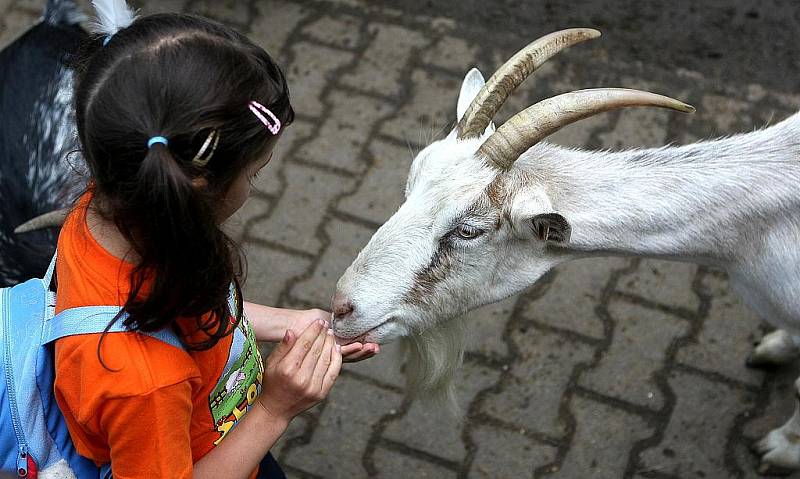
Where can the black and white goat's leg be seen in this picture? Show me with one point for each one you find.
(776, 348)
(780, 448)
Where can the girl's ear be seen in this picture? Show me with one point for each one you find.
(199, 183)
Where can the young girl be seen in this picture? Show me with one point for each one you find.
(176, 114)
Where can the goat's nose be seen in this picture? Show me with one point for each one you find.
(342, 306)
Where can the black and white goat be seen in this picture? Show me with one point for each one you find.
(488, 212)
(37, 133)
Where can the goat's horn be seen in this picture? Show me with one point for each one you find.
(536, 122)
(513, 72)
(47, 220)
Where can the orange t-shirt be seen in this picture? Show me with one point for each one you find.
(158, 409)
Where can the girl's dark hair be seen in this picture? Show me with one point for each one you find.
(180, 77)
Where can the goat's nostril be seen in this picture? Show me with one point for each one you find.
(342, 306)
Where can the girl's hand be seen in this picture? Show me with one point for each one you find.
(352, 352)
(300, 371)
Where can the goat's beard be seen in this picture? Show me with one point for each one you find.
(432, 358)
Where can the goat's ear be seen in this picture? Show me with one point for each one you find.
(473, 82)
(551, 227)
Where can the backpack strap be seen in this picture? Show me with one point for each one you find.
(48, 276)
(95, 319)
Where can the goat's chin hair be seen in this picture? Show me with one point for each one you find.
(432, 358)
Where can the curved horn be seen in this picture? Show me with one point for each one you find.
(536, 122)
(48, 220)
(513, 72)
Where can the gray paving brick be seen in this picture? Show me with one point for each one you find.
(310, 73)
(704, 414)
(388, 53)
(572, 298)
(269, 270)
(382, 191)
(227, 11)
(603, 437)
(637, 351)
(14, 23)
(271, 180)
(347, 239)
(163, 6)
(431, 111)
(506, 454)
(339, 440)
(485, 327)
(638, 128)
(254, 206)
(727, 336)
(299, 212)
(435, 430)
(531, 396)
(663, 282)
(344, 31)
(385, 368)
(453, 53)
(274, 23)
(395, 465)
(345, 131)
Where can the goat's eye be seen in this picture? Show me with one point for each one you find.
(468, 232)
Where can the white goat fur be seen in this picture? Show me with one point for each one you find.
(733, 203)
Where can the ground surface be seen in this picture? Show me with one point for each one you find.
(607, 368)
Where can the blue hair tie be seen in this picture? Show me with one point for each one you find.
(157, 139)
(108, 39)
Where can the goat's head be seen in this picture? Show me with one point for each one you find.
(473, 229)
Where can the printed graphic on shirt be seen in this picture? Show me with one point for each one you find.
(240, 383)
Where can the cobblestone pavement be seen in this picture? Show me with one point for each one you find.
(606, 368)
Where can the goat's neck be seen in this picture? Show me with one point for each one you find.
(703, 202)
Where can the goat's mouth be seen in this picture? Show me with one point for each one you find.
(366, 336)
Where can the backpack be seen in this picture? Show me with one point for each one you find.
(33, 433)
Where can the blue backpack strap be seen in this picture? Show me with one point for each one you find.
(48, 276)
(95, 319)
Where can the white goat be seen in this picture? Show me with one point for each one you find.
(488, 212)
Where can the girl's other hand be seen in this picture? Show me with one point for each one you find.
(300, 371)
(352, 352)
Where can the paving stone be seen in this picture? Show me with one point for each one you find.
(389, 51)
(347, 239)
(531, 395)
(163, 6)
(383, 189)
(504, 453)
(343, 31)
(394, 465)
(312, 70)
(663, 282)
(638, 128)
(578, 134)
(297, 428)
(485, 328)
(637, 351)
(603, 438)
(730, 115)
(345, 131)
(431, 111)
(385, 368)
(339, 440)
(275, 22)
(453, 53)
(253, 207)
(703, 415)
(727, 336)
(226, 11)
(572, 298)
(5, 5)
(299, 212)
(271, 179)
(268, 271)
(433, 429)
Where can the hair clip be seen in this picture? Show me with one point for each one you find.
(199, 159)
(257, 108)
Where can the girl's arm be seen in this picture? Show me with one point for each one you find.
(270, 324)
(299, 373)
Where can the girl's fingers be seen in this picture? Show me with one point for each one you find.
(310, 360)
(366, 351)
(302, 345)
(283, 348)
(333, 371)
(351, 348)
(323, 362)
